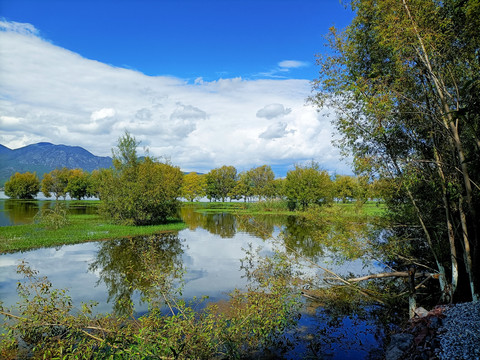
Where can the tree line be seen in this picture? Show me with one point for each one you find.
(129, 189)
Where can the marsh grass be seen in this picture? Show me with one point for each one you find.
(279, 207)
(80, 228)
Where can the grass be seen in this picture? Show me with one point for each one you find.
(81, 228)
(91, 227)
(369, 209)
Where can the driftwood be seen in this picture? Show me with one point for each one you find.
(392, 274)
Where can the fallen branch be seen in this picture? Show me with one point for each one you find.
(390, 274)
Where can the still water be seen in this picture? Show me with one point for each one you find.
(210, 250)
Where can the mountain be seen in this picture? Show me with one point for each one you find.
(44, 157)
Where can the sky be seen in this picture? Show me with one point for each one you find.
(201, 83)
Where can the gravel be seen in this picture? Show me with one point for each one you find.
(460, 332)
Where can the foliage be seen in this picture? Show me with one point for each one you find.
(243, 188)
(78, 184)
(193, 186)
(261, 179)
(48, 327)
(307, 185)
(22, 186)
(139, 192)
(56, 182)
(53, 219)
(403, 80)
(220, 182)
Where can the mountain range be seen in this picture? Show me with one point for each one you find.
(44, 157)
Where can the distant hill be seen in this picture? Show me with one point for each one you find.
(45, 157)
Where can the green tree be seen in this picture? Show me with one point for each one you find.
(139, 192)
(193, 186)
(78, 184)
(307, 185)
(220, 182)
(261, 179)
(345, 187)
(403, 79)
(22, 186)
(55, 182)
(243, 187)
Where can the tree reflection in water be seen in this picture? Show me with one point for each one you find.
(222, 224)
(147, 264)
(20, 211)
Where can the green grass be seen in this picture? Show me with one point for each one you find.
(370, 208)
(81, 228)
(91, 227)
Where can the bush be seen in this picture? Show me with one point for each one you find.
(46, 324)
(55, 218)
(139, 192)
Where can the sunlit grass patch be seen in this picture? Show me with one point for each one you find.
(80, 228)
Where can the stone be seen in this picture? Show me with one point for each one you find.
(421, 312)
(399, 343)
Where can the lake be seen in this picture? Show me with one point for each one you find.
(210, 250)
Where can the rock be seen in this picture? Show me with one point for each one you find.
(399, 344)
(421, 312)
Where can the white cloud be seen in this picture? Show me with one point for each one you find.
(275, 131)
(289, 64)
(51, 94)
(20, 28)
(102, 114)
(273, 110)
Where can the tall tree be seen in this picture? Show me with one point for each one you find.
(193, 186)
(402, 79)
(221, 181)
(22, 186)
(261, 179)
(243, 187)
(55, 182)
(138, 192)
(78, 184)
(306, 185)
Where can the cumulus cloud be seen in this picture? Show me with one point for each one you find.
(20, 28)
(275, 131)
(102, 114)
(48, 93)
(188, 112)
(273, 110)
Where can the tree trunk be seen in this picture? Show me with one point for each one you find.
(467, 254)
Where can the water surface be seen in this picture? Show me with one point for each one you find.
(210, 250)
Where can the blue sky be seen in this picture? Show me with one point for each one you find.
(204, 83)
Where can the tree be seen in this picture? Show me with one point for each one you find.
(95, 181)
(78, 184)
(403, 79)
(220, 182)
(307, 185)
(22, 186)
(345, 188)
(261, 179)
(139, 192)
(193, 186)
(243, 187)
(56, 182)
